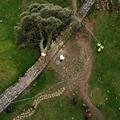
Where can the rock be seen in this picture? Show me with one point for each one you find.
(1, 21)
(108, 91)
(106, 98)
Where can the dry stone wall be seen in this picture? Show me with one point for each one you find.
(85, 8)
(37, 101)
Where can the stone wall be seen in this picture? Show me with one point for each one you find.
(85, 8)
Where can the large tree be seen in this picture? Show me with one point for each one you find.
(41, 23)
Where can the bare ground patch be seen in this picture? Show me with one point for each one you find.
(77, 66)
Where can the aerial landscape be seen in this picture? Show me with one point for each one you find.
(60, 60)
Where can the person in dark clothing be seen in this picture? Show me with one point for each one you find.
(9, 109)
(74, 100)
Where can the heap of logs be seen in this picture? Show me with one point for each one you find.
(108, 5)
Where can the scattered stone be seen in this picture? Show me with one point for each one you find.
(1, 21)
(106, 98)
(108, 91)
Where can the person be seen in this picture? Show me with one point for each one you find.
(74, 100)
(87, 109)
(62, 58)
(9, 108)
(84, 105)
(88, 115)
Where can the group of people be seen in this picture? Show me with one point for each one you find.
(88, 113)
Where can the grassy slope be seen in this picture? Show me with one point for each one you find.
(13, 61)
(105, 80)
(43, 82)
(60, 108)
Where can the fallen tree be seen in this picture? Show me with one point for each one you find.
(41, 24)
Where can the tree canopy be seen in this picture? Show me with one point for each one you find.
(40, 24)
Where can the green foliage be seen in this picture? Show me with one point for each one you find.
(41, 22)
(13, 61)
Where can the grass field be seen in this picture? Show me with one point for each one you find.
(60, 108)
(43, 82)
(14, 62)
(105, 81)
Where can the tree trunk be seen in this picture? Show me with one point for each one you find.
(74, 5)
(49, 42)
(41, 45)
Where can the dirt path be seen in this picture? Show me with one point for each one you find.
(77, 67)
(84, 78)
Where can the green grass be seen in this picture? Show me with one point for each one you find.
(42, 83)
(105, 79)
(13, 61)
(60, 108)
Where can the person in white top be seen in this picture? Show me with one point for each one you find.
(62, 57)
